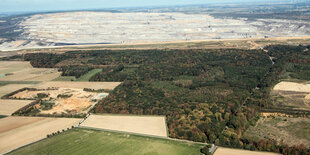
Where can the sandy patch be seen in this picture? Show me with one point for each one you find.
(25, 130)
(7, 107)
(147, 125)
(77, 100)
(292, 86)
(229, 151)
(266, 114)
(307, 97)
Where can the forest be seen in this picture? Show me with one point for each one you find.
(207, 95)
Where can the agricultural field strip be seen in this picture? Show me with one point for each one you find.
(229, 151)
(98, 141)
(29, 132)
(4, 90)
(32, 74)
(80, 85)
(88, 75)
(7, 107)
(23, 71)
(148, 125)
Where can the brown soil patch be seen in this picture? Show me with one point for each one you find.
(78, 101)
(10, 123)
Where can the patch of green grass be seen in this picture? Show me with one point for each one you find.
(47, 105)
(3, 83)
(2, 116)
(129, 70)
(88, 75)
(185, 77)
(166, 85)
(65, 78)
(87, 141)
(299, 129)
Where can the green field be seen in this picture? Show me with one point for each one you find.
(3, 83)
(86, 141)
(88, 75)
(65, 78)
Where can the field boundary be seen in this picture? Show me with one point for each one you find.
(107, 114)
(142, 135)
(123, 132)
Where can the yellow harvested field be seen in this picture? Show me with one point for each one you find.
(12, 87)
(32, 74)
(293, 86)
(229, 151)
(147, 125)
(23, 71)
(79, 85)
(7, 107)
(45, 76)
(13, 66)
(19, 131)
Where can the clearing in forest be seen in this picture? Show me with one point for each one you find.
(291, 95)
(88, 75)
(293, 131)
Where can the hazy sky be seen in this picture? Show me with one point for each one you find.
(50, 5)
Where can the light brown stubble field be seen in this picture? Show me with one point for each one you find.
(18, 131)
(229, 151)
(7, 107)
(80, 85)
(147, 125)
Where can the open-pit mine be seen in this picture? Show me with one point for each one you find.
(88, 28)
